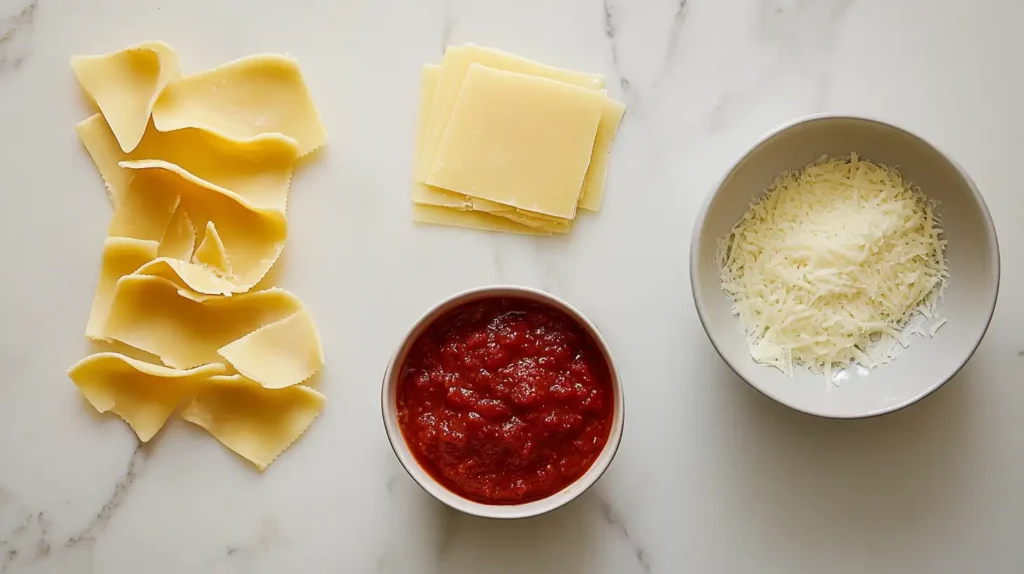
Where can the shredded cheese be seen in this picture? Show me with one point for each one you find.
(826, 269)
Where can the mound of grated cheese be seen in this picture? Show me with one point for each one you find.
(826, 269)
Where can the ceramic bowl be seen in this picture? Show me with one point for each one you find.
(972, 254)
(434, 488)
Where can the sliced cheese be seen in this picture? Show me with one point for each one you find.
(470, 219)
(186, 329)
(532, 219)
(519, 140)
(125, 86)
(121, 256)
(256, 422)
(279, 354)
(455, 65)
(258, 170)
(244, 99)
(421, 192)
(142, 394)
(593, 183)
(454, 68)
(458, 62)
(559, 227)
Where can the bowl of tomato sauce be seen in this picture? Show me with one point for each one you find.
(503, 402)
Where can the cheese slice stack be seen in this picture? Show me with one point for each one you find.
(507, 144)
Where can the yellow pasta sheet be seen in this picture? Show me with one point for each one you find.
(258, 170)
(144, 211)
(256, 422)
(252, 237)
(142, 394)
(198, 170)
(179, 239)
(242, 100)
(121, 256)
(280, 354)
(186, 329)
(188, 276)
(126, 84)
(212, 253)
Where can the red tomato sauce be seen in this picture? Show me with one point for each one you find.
(505, 401)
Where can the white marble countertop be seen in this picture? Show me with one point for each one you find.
(711, 476)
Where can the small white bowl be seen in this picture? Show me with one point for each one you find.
(972, 255)
(427, 482)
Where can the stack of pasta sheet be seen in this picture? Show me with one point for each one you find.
(506, 144)
(198, 170)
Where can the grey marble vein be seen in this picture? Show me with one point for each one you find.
(392, 484)
(28, 541)
(448, 25)
(16, 38)
(270, 535)
(609, 32)
(98, 524)
(674, 32)
(613, 519)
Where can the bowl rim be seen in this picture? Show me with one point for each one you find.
(695, 244)
(427, 482)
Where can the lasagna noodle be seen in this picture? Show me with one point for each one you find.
(142, 394)
(179, 238)
(186, 329)
(212, 253)
(256, 422)
(189, 276)
(220, 181)
(242, 100)
(144, 212)
(280, 354)
(121, 256)
(258, 170)
(252, 237)
(125, 86)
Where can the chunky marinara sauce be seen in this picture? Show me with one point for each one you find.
(505, 401)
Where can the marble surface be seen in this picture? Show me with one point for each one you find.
(711, 477)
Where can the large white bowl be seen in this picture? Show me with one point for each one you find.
(972, 254)
(438, 491)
